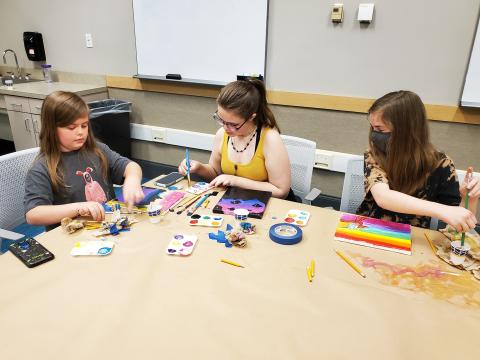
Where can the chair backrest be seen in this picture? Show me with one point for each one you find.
(301, 153)
(353, 191)
(13, 171)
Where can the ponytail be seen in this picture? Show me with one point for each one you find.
(247, 97)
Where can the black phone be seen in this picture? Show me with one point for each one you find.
(169, 179)
(31, 252)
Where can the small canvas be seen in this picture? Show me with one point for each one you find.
(148, 193)
(236, 198)
(376, 233)
(198, 188)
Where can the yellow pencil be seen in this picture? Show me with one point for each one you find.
(349, 262)
(205, 204)
(231, 263)
(312, 268)
(434, 250)
(309, 273)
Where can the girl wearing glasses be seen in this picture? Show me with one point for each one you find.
(247, 150)
(406, 179)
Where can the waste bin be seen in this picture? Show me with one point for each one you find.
(110, 122)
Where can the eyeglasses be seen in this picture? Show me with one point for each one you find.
(228, 125)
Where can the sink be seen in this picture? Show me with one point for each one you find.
(18, 81)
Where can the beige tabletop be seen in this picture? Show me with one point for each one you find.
(140, 303)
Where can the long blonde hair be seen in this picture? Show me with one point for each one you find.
(410, 157)
(60, 109)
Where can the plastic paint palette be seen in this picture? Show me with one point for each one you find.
(198, 188)
(206, 220)
(297, 217)
(181, 244)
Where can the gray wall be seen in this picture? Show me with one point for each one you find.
(420, 45)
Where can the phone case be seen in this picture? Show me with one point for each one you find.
(31, 252)
(169, 179)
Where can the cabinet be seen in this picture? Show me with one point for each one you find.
(24, 118)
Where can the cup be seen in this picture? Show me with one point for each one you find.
(154, 213)
(458, 252)
(47, 72)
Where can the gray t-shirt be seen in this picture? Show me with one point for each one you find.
(83, 178)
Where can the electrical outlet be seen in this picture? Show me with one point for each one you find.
(323, 159)
(158, 134)
(88, 40)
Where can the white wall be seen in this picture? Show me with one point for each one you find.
(423, 45)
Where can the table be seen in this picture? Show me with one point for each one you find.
(141, 303)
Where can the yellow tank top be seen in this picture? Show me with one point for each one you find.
(254, 170)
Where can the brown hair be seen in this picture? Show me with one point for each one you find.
(60, 109)
(247, 97)
(410, 157)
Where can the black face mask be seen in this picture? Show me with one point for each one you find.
(381, 140)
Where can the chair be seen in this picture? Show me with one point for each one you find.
(353, 191)
(301, 153)
(13, 171)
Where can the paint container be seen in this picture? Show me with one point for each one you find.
(154, 213)
(458, 252)
(240, 215)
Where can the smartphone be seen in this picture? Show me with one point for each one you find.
(31, 252)
(169, 179)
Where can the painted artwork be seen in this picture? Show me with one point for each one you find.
(235, 198)
(376, 233)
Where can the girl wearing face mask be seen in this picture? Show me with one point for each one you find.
(406, 179)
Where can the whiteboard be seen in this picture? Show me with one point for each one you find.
(209, 41)
(471, 88)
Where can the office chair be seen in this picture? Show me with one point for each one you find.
(301, 153)
(353, 191)
(13, 171)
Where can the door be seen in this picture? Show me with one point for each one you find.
(22, 130)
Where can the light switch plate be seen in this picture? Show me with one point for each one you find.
(88, 40)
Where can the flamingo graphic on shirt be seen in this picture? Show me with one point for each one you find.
(93, 190)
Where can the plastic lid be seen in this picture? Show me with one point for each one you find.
(46, 66)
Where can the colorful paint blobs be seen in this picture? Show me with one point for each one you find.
(205, 220)
(198, 188)
(297, 217)
(385, 235)
(181, 244)
(443, 284)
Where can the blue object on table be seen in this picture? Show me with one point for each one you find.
(285, 234)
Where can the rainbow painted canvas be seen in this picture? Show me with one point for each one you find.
(386, 235)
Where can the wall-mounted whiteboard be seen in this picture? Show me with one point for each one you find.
(471, 88)
(209, 41)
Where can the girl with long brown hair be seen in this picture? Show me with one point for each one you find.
(73, 173)
(248, 151)
(406, 179)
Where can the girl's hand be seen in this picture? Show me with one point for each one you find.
(223, 180)
(472, 187)
(91, 208)
(194, 166)
(458, 217)
(132, 193)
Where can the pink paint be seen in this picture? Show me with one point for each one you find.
(423, 271)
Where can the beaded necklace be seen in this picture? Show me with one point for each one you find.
(246, 146)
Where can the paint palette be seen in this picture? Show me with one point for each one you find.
(297, 217)
(181, 245)
(206, 220)
(198, 188)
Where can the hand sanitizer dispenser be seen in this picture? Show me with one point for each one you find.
(33, 42)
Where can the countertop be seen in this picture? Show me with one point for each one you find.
(40, 89)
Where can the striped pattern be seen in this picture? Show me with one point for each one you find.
(375, 233)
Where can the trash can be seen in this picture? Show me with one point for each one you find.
(110, 122)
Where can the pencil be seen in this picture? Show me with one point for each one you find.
(205, 204)
(349, 262)
(309, 274)
(231, 263)
(312, 268)
(434, 250)
(187, 160)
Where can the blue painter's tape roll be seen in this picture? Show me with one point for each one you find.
(285, 234)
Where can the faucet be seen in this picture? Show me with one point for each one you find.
(19, 74)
